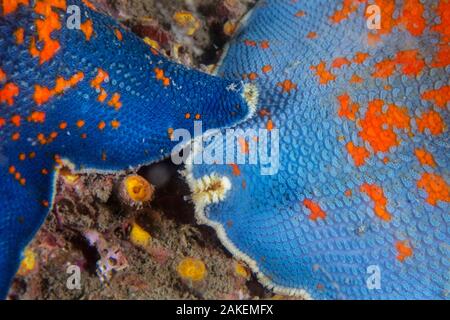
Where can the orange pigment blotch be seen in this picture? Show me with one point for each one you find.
(442, 10)
(115, 124)
(270, 125)
(243, 145)
(339, 62)
(16, 120)
(348, 193)
(88, 29)
(265, 44)
(348, 7)
(235, 168)
(250, 43)
(266, 69)
(43, 94)
(10, 6)
(360, 57)
(19, 35)
(287, 86)
(115, 101)
(252, 76)
(2, 122)
(300, 13)
(101, 76)
(2, 75)
(432, 121)
(8, 92)
(404, 250)
(311, 35)
(412, 17)
(89, 4)
(49, 22)
(316, 211)
(376, 193)
(424, 157)
(159, 73)
(442, 57)
(348, 109)
(384, 69)
(324, 75)
(388, 22)
(355, 79)
(118, 34)
(411, 62)
(440, 97)
(436, 188)
(101, 125)
(378, 127)
(359, 154)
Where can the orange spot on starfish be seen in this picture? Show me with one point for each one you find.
(436, 188)
(315, 209)
(376, 193)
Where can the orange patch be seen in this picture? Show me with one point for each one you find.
(436, 188)
(88, 29)
(360, 57)
(159, 73)
(359, 154)
(411, 61)
(265, 44)
(10, 6)
(388, 22)
(442, 28)
(424, 157)
(266, 68)
(236, 171)
(315, 209)
(270, 125)
(376, 193)
(99, 78)
(45, 27)
(115, 101)
(8, 92)
(432, 121)
(15, 120)
(311, 35)
(252, 76)
(348, 7)
(287, 86)
(348, 109)
(2, 122)
(250, 43)
(115, 124)
(88, 4)
(378, 127)
(244, 145)
(442, 57)
(339, 62)
(412, 17)
(19, 35)
(439, 97)
(356, 79)
(404, 250)
(384, 69)
(324, 75)
(2, 75)
(101, 125)
(43, 94)
(118, 34)
(300, 13)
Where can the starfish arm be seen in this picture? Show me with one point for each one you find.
(94, 94)
(358, 205)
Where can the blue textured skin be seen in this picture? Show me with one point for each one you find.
(148, 110)
(266, 223)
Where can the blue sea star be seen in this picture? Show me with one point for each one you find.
(359, 206)
(93, 94)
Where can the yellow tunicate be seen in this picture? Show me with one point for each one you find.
(187, 21)
(137, 188)
(28, 262)
(68, 176)
(241, 270)
(192, 269)
(229, 27)
(139, 236)
(152, 43)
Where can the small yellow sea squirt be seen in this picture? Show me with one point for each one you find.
(192, 269)
(139, 236)
(135, 189)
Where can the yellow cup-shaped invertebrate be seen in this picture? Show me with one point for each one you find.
(241, 270)
(192, 269)
(187, 21)
(28, 263)
(139, 236)
(68, 175)
(137, 188)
